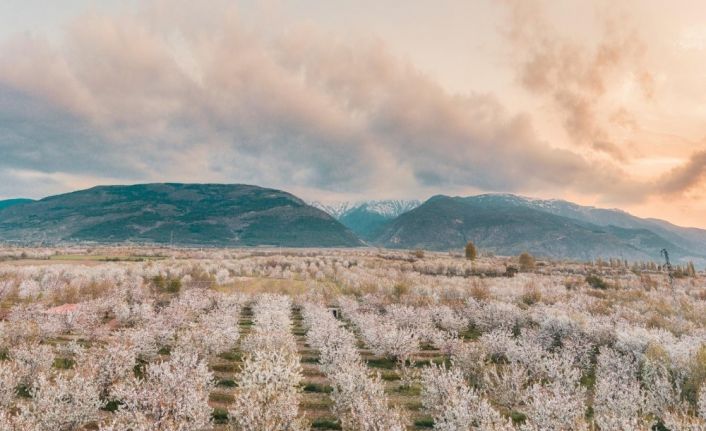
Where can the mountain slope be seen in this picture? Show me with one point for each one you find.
(11, 202)
(193, 214)
(367, 218)
(692, 239)
(509, 227)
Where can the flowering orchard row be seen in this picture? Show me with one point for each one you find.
(130, 344)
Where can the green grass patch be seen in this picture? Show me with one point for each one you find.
(24, 391)
(385, 363)
(437, 360)
(325, 424)
(231, 356)
(219, 416)
(471, 333)
(390, 376)
(112, 406)
(596, 282)
(317, 388)
(588, 379)
(518, 417)
(63, 363)
(226, 383)
(424, 423)
(139, 369)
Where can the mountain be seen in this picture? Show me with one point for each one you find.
(509, 225)
(367, 218)
(685, 237)
(688, 238)
(187, 214)
(10, 202)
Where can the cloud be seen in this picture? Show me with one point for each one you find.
(685, 177)
(577, 78)
(167, 94)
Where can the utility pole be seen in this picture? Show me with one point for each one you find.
(668, 265)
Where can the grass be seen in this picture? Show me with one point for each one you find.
(413, 405)
(317, 388)
(385, 363)
(316, 405)
(23, 391)
(517, 417)
(220, 416)
(139, 368)
(438, 360)
(596, 282)
(326, 424)
(224, 368)
(231, 356)
(112, 406)
(390, 376)
(424, 423)
(588, 379)
(472, 333)
(254, 285)
(103, 258)
(63, 363)
(412, 391)
(221, 397)
(227, 383)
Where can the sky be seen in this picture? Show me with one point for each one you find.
(601, 103)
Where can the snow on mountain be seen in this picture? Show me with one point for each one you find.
(389, 208)
(335, 209)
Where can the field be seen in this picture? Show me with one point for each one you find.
(120, 338)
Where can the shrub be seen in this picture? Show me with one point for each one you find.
(471, 251)
(510, 271)
(166, 284)
(696, 376)
(596, 282)
(531, 294)
(220, 416)
(526, 261)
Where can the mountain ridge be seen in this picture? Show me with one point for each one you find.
(510, 224)
(687, 237)
(189, 214)
(6, 203)
(248, 215)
